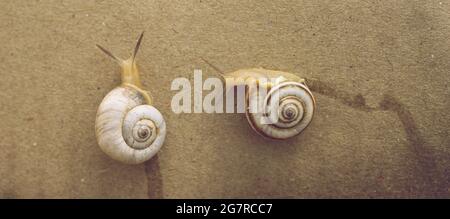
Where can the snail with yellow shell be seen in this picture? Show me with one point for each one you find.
(288, 102)
(128, 128)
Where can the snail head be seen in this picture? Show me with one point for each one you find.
(130, 73)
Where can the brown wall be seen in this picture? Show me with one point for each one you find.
(379, 71)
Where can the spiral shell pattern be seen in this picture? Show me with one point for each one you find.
(128, 129)
(285, 111)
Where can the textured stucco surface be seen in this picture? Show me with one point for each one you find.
(379, 70)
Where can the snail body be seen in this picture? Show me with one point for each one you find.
(284, 110)
(127, 127)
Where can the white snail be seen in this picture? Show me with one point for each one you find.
(127, 127)
(284, 110)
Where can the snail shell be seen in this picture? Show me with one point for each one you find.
(127, 127)
(288, 104)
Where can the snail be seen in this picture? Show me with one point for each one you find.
(127, 127)
(283, 111)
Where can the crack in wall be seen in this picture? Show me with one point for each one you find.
(154, 178)
(429, 170)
